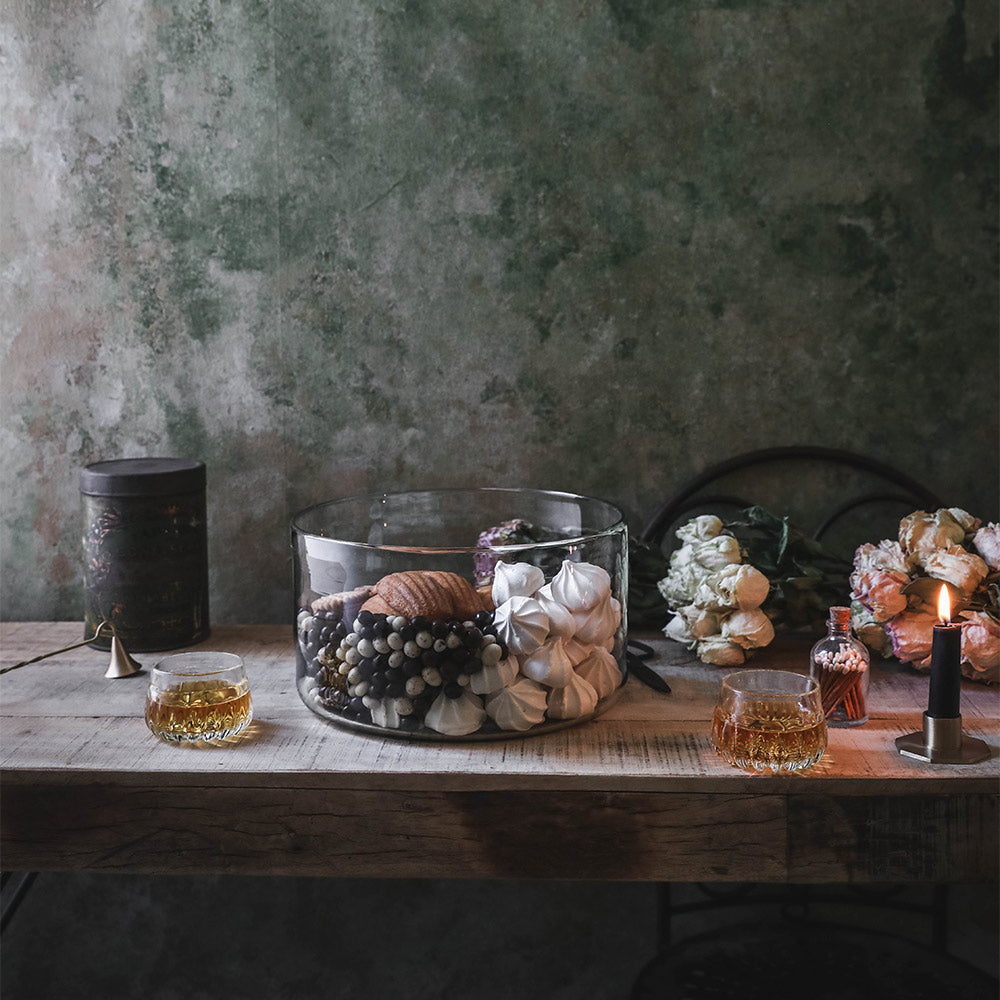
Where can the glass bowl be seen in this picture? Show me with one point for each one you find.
(464, 614)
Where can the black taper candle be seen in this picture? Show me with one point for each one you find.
(946, 673)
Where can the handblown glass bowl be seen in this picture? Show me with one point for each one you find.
(460, 614)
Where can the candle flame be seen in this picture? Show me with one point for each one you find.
(944, 606)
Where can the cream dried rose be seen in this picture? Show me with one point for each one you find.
(701, 622)
(679, 630)
(741, 586)
(720, 652)
(921, 533)
(698, 529)
(714, 553)
(964, 569)
(986, 542)
(679, 585)
(748, 629)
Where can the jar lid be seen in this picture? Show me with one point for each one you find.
(840, 616)
(142, 477)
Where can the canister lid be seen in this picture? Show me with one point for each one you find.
(142, 477)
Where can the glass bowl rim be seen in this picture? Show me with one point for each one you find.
(810, 685)
(619, 523)
(178, 671)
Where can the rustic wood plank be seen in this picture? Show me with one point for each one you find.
(636, 794)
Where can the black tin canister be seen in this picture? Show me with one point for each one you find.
(145, 551)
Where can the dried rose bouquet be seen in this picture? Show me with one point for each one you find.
(731, 584)
(895, 585)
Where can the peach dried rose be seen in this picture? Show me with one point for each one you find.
(981, 647)
(921, 533)
(880, 591)
(964, 569)
(912, 634)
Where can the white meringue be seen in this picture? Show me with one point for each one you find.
(600, 670)
(549, 664)
(597, 623)
(576, 651)
(494, 676)
(521, 624)
(580, 586)
(515, 580)
(455, 716)
(384, 714)
(561, 622)
(518, 707)
(572, 700)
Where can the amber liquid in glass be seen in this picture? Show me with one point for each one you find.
(762, 741)
(199, 710)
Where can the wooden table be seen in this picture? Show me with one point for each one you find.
(637, 794)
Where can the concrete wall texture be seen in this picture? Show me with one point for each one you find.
(589, 245)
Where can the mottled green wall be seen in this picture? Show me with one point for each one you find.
(331, 247)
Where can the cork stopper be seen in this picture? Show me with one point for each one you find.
(841, 617)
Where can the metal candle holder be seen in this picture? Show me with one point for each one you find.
(942, 741)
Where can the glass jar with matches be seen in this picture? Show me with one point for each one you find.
(839, 663)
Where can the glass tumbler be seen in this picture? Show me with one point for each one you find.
(198, 697)
(769, 721)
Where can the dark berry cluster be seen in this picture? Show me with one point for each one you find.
(389, 668)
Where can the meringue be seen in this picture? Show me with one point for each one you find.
(518, 707)
(521, 624)
(515, 580)
(572, 700)
(494, 676)
(455, 716)
(576, 651)
(597, 623)
(549, 664)
(600, 670)
(384, 714)
(580, 586)
(561, 622)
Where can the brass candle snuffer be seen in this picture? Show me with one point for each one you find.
(121, 664)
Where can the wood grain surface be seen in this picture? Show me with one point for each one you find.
(636, 794)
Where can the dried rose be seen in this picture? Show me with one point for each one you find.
(921, 533)
(678, 630)
(720, 652)
(692, 623)
(681, 581)
(701, 622)
(698, 529)
(986, 542)
(880, 592)
(965, 519)
(742, 586)
(964, 569)
(981, 648)
(869, 629)
(714, 553)
(912, 634)
(749, 629)
(887, 555)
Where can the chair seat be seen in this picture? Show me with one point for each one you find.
(818, 961)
